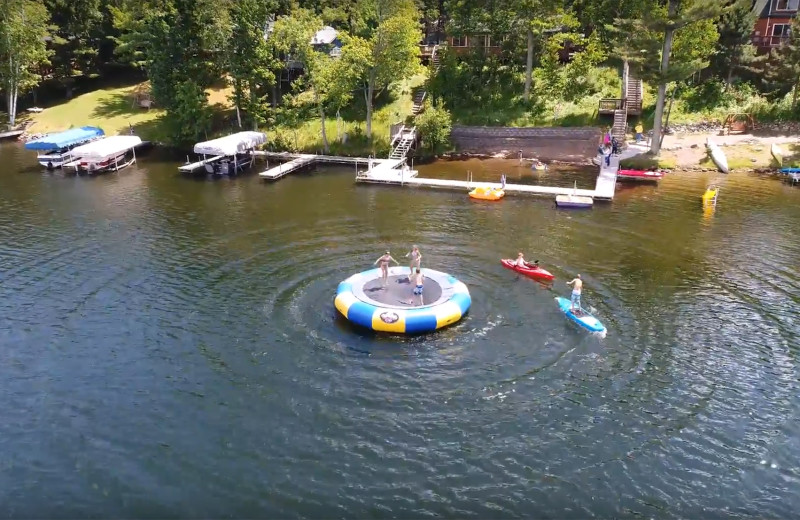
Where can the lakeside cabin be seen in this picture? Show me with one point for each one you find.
(54, 149)
(226, 155)
(106, 154)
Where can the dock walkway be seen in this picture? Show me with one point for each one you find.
(395, 172)
(190, 167)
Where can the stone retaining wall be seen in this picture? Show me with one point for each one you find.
(547, 143)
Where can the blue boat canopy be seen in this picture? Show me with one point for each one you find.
(64, 139)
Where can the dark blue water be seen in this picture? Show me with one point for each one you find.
(170, 348)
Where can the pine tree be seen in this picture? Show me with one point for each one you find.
(734, 50)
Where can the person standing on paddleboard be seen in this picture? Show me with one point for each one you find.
(577, 286)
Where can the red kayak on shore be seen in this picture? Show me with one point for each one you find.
(640, 175)
(533, 272)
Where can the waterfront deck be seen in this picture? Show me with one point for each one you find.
(395, 172)
(190, 167)
(288, 167)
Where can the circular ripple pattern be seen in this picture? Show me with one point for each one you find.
(171, 347)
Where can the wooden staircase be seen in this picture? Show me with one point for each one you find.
(620, 126)
(633, 95)
(419, 100)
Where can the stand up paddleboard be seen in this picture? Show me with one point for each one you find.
(584, 319)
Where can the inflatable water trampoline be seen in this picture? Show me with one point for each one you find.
(363, 300)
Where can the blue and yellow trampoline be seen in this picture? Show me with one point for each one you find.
(363, 300)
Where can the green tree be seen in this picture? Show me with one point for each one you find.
(23, 28)
(390, 53)
(327, 80)
(669, 43)
(251, 61)
(734, 50)
(189, 116)
(434, 124)
(75, 39)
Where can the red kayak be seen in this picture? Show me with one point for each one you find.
(533, 272)
(640, 175)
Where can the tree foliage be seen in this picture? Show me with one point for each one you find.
(434, 124)
(23, 29)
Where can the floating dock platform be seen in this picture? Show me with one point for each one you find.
(190, 167)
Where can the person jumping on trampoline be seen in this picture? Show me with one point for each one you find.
(419, 279)
(384, 260)
(416, 260)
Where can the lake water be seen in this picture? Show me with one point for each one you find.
(170, 349)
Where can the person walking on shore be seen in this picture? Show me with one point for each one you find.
(639, 129)
(384, 260)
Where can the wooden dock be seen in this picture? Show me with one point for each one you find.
(395, 172)
(190, 167)
(11, 134)
(288, 167)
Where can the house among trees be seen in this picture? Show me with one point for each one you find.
(774, 22)
(327, 40)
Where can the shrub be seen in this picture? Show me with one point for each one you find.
(434, 124)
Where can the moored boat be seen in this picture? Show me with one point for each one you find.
(110, 153)
(717, 155)
(54, 149)
(226, 155)
(640, 175)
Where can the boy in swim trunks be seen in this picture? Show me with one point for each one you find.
(384, 260)
(419, 278)
(577, 284)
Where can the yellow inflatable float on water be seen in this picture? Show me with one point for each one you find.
(487, 193)
(710, 196)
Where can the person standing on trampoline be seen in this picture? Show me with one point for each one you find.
(384, 260)
(416, 260)
(419, 279)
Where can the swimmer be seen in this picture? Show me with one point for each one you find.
(419, 278)
(577, 284)
(416, 260)
(384, 260)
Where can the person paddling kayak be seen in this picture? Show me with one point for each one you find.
(577, 286)
(521, 262)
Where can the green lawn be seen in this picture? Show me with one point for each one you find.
(111, 109)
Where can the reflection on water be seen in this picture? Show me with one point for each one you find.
(170, 348)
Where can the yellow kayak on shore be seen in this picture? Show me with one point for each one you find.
(487, 193)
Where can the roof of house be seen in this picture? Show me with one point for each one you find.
(324, 36)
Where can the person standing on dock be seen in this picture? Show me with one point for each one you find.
(416, 260)
(384, 260)
(577, 287)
